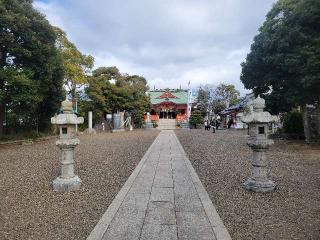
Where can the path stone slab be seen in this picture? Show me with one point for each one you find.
(141, 185)
(162, 194)
(159, 232)
(194, 226)
(162, 199)
(128, 221)
(163, 183)
(186, 199)
(161, 213)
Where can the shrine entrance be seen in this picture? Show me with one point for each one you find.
(169, 107)
(168, 114)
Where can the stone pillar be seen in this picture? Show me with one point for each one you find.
(117, 127)
(258, 120)
(90, 129)
(90, 120)
(67, 142)
(311, 123)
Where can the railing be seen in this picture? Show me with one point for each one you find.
(152, 117)
(179, 117)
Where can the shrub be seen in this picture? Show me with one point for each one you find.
(293, 123)
(155, 124)
(196, 118)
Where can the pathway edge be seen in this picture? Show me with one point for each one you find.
(217, 225)
(104, 222)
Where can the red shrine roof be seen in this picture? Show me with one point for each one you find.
(167, 94)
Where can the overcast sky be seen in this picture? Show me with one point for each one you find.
(169, 42)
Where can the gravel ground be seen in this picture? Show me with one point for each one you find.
(222, 161)
(30, 209)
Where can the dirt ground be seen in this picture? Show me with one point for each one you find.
(223, 162)
(30, 209)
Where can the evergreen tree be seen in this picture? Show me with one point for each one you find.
(284, 62)
(31, 72)
(203, 101)
(110, 91)
(223, 96)
(196, 118)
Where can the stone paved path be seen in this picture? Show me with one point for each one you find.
(162, 199)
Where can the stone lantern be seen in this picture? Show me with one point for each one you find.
(67, 121)
(258, 140)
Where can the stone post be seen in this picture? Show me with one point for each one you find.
(90, 130)
(90, 120)
(149, 124)
(117, 122)
(67, 121)
(258, 120)
(311, 122)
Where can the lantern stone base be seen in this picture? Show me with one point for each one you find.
(66, 184)
(259, 186)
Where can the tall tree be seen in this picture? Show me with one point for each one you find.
(284, 62)
(223, 96)
(76, 65)
(203, 101)
(109, 91)
(30, 68)
(196, 118)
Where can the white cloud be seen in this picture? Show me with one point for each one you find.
(53, 12)
(168, 42)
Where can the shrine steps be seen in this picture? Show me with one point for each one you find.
(167, 124)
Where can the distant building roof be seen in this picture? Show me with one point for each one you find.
(240, 105)
(176, 96)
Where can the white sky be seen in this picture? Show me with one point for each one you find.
(169, 42)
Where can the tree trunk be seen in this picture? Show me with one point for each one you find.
(2, 118)
(2, 102)
(306, 127)
(74, 97)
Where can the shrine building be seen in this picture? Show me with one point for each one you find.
(169, 104)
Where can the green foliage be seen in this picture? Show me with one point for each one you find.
(226, 94)
(31, 72)
(203, 101)
(196, 118)
(155, 124)
(218, 106)
(284, 61)
(293, 123)
(223, 96)
(109, 91)
(75, 64)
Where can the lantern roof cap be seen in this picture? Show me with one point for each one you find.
(66, 106)
(258, 115)
(67, 117)
(259, 103)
